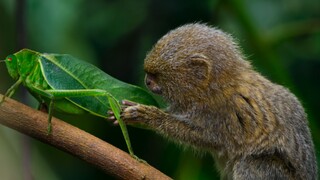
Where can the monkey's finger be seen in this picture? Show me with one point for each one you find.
(111, 118)
(128, 103)
(110, 113)
(123, 107)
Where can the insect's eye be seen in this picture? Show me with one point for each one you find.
(10, 58)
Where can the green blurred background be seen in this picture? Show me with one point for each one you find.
(280, 37)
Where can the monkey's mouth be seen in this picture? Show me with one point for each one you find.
(155, 89)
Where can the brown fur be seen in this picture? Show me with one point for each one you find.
(254, 128)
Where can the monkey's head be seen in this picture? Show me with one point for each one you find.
(190, 62)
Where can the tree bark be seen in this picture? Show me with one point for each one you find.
(79, 143)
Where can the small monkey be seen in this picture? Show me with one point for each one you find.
(218, 103)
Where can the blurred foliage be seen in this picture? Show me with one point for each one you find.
(280, 37)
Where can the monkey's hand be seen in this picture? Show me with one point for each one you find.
(137, 114)
(177, 126)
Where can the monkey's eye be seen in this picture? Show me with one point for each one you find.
(152, 76)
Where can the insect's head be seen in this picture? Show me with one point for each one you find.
(12, 66)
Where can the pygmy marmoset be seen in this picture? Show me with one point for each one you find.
(218, 103)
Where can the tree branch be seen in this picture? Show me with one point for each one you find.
(70, 139)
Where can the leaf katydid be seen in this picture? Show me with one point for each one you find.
(71, 86)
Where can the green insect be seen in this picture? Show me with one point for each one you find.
(71, 86)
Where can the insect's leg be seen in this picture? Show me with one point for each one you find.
(114, 104)
(51, 97)
(51, 105)
(53, 94)
(116, 108)
(76, 93)
(42, 107)
(11, 90)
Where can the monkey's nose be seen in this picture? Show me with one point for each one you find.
(148, 79)
(148, 82)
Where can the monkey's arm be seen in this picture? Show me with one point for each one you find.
(177, 127)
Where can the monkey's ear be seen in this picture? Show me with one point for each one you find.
(200, 66)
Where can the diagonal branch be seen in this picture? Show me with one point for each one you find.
(70, 139)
